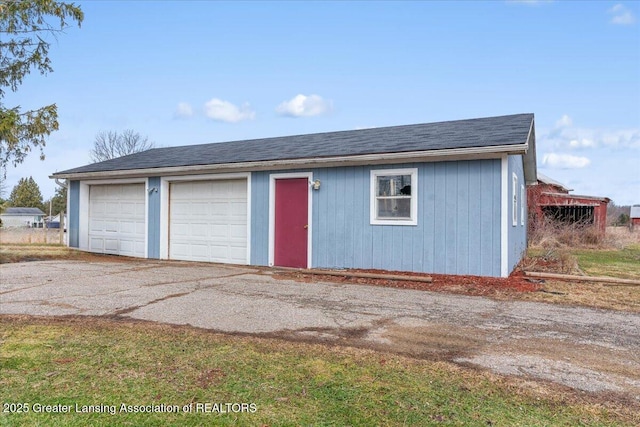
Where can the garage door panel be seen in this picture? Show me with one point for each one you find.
(111, 245)
(180, 230)
(140, 229)
(96, 225)
(199, 230)
(128, 227)
(236, 208)
(219, 231)
(206, 219)
(96, 245)
(180, 250)
(200, 250)
(237, 252)
(117, 219)
(129, 209)
(127, 246)
(239, 231)
(179, 208)
(199, 209)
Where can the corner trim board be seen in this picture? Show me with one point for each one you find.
(504, 217)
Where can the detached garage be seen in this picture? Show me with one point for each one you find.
(445, 197)
(208, 221)
(117, 219)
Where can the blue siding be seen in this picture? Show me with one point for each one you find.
(458, 230)
(517, 235)
(153, 215)
(73, 227)
(260, 218)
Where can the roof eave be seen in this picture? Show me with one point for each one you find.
(356, 160)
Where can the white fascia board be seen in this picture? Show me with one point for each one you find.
(364, 159)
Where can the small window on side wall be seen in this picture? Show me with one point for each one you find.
(523, 199)
(394, 197)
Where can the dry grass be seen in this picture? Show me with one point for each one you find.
(588, 294)
(546, 233)
(621, 237)
(563, 249)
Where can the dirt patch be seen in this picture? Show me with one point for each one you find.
(435, 341)
(458, 284)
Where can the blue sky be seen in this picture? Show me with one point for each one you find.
(186, 73)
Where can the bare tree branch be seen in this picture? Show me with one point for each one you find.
(110, 144)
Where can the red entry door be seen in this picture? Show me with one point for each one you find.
(291, 227)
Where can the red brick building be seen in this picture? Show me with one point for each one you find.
(551, 199)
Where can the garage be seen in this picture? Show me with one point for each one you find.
(208, 221)
(117, 219)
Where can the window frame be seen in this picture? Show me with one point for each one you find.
(523, 198)
(373, 202)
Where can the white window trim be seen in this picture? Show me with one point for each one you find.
(523, 198)
(514, 206)
(373, 212)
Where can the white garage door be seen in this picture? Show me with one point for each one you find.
(208, 221)
(116, 219)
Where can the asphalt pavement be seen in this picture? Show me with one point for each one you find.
(587, 349)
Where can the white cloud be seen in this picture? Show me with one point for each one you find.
(224, 111)
(624, 138)
(183, 110)
(304, 106)
(621, 15)
(581, 143)
(565, 136)
(564, 161)
(565, 121)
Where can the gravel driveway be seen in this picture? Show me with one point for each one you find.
(586, 349)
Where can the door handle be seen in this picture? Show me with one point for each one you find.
(306, 226)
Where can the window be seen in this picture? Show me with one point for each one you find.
(514, 208)
(523, 198)
(394, 197)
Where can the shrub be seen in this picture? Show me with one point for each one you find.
(548, 233)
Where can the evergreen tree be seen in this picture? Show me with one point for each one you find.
(58, 202)
(26, 194)
(27, 29)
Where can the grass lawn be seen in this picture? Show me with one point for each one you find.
(624, 263)
(104, 364)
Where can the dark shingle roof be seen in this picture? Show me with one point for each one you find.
(23, 211)
(472, 133)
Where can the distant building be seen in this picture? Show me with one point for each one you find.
(551, 199)
(635, 216)
(21, 217)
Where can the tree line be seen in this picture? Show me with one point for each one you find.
(26, 194)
